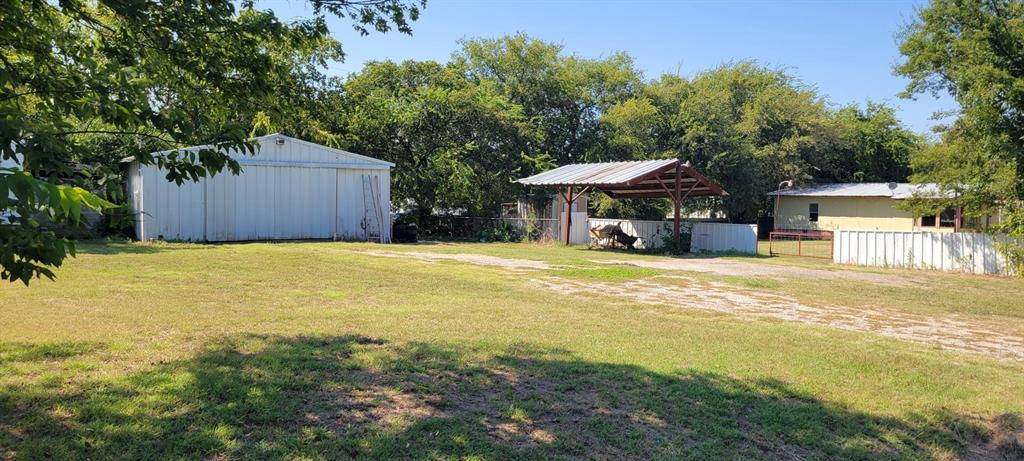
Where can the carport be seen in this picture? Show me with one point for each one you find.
(638, 179)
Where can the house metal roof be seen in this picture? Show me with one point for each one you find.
(901, 191)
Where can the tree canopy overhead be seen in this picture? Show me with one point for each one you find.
(972, 50)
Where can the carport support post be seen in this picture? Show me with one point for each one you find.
(568, 212)
(675, 203)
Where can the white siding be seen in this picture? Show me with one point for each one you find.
(351, 208)
(295, 190)
(170, 211)
(8, 163)
(948, 251)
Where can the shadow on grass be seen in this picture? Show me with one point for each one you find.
(255, 397)
(114, 247)
(25, 352)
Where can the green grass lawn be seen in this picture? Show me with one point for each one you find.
(318, 351)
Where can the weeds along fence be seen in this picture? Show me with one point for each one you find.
(812, 244)
(948, 251)
(475, 229)
(706, 237)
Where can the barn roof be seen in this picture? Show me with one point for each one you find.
(899, 191)
(342, 158)
(637, 179)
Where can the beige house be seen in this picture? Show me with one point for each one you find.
(860, 206)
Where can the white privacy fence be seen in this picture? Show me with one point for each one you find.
(650, 232)
(706, 236)
(579, 234)
(713, 237)
(949, 251)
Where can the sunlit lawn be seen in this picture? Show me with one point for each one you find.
(315, 351)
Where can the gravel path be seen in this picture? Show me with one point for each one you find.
(946, 331)
(748, 269)
(478, 259)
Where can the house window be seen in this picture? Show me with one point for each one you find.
(947, 218)
(812, 212)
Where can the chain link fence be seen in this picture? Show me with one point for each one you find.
(479, 229)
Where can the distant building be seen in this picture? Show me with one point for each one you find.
(863, 206)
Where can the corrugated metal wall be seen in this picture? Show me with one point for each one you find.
(948, 251)
(169, 211)
(294, 190)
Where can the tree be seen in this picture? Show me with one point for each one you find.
(971, 49)
(457, 143)
(167, 73)
(565, 95)
(749, 128)
(871, 145)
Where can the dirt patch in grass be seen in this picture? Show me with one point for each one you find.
(550, 405)
(639, 281)
(1003, 440)
(746, 269)
(679, 291)
(708, 265)
(478, 259)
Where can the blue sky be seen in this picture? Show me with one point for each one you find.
(846, 49)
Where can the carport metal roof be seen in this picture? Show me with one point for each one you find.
(640, 179)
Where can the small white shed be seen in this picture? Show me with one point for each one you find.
(291, 189)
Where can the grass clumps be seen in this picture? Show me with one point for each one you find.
(606, 273)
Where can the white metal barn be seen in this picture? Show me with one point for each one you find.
(291, 189)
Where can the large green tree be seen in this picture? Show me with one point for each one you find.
(869, 145)
(457, 143)
(972, 50)
(750, 127)
(170, 73)
(564, 94)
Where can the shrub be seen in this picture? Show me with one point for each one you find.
(671, 245)
(501, 231)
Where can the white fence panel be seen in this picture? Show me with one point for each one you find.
(650, 232)
(711, 236)
(579, 234)
(948, 251)
(707, 236)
